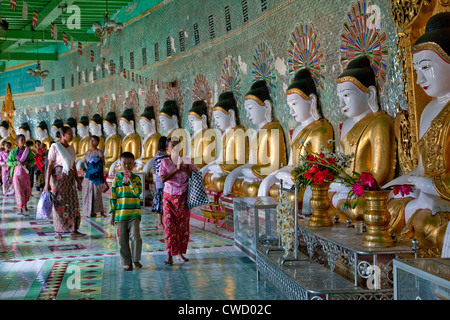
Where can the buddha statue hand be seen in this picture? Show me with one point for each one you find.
(113, 167)
(231, 178)
(148, 166)
(341, 192)
(286, 177)
(139, 164)
(249, 176)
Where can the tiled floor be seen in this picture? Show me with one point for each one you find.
(35, 266)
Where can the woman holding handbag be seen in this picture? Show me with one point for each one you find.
(63, 178)
(175, 172)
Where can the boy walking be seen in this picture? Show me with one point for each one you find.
(125, 210)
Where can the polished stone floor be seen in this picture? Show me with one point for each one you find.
(36, 266)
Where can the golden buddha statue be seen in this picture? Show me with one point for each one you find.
(426, 212)
(267, 146)
(113, 142)
(312, 133)
(42, 134)
(368, 133)
(169, 118)
(234, 147)
(75, 143)
(83, 131)
(131, 142)
(95, 129)
(26, 131)
(150, 141)
(203, 141)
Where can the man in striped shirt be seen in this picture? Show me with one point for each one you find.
(125, 210)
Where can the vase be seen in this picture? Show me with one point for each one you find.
(320, 203)
(377, 219)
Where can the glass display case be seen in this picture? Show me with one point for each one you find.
(254, 222)
(422, 279)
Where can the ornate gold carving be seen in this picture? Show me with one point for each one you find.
(355, 81)
(8, 112)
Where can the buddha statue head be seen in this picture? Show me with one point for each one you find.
(57, 124)
(95, 125)
(198, 116)
(302, 97)
(110, 124)
(169, 116)
(126, 121)
(356, 89)
(83, 127)
(147, 121)
(431, 56)
(225, 111)
(42, 131)
(25, 130)
(258, 104)
(4, 129)
(72, 123)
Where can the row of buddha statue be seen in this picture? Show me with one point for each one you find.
(241, 162)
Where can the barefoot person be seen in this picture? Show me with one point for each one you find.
(62, 177)
(174, 172)
(92, 195)
(8, 187)
(20, 160)
(125, 210)
(157, 205)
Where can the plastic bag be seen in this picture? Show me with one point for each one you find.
(44, 206)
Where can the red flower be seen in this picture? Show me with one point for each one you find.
(308, 176)
(331, 160)
(367, 179)
(313, 170)
(322, 155)
(311, 158)
(403, 189)
(358, 190)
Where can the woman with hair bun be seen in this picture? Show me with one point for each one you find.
(21, 160)
(62, 179)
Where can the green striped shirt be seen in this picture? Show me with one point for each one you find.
(124, 202)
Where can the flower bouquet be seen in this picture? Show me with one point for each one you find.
(285, 223)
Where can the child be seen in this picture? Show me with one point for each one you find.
(30, 145)
(125, 210)
(39, 167)
(92, 195)
(8, 188)
(20, 160)
(159, 186)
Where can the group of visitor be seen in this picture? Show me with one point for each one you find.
(56, 172)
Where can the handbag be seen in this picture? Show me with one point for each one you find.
(44, 206)
(196, 194)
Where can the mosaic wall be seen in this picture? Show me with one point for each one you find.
(208, 46)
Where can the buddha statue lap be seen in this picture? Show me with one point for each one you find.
(95, 129)
(130, 143)
(83, 131)
(367, 132)
(234, 147)
(312, 132)
(150, 141)
(75, 143)
(203, 141)
(427, 211)
(267, 146)
(42, 134)
(113, 142)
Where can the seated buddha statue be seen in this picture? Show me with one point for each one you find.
(169, 118)
(57, 124)
(83, 131)
(234, 148)
(150, 141)
(26, 131)
(95, 129)
(113, 142)
(311, 134)
(203, 140)
(267, 146)
(72, 123)
(367, 132)
(131, 142)
(427, 210)
(42, 134)
(4, 132)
